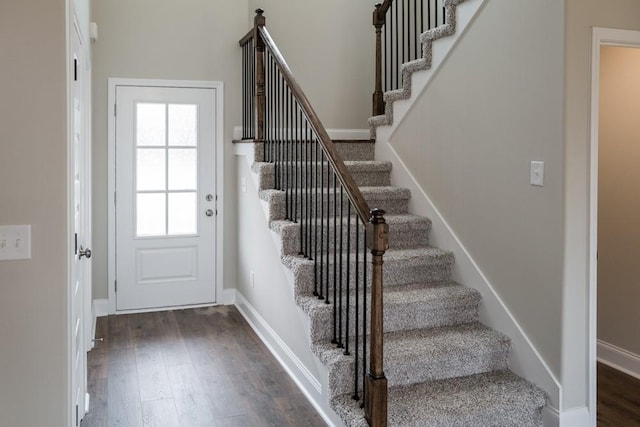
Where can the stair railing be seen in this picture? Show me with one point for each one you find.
(398, 26)
(335, 222)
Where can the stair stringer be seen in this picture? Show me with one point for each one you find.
(524, 358)
(436, 45)
(314, 386)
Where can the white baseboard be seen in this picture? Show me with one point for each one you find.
(306, 381)
(228, 297)
(619, 358)
(333, 133)
(100, 307)
(575, 417)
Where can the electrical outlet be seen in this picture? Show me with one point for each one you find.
(15, 242)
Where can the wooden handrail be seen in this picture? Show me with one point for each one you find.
(246, 37)
(352, 190)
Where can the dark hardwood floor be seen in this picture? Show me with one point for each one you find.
(618, 398)
(190, 368)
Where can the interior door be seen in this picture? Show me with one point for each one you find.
(165, 197)
(80, 280)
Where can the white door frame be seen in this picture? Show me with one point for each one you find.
(111, 181)
(77, 41)
(600, 37)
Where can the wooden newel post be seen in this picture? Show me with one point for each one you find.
(258, 22)
(378, 23)
(375, 390)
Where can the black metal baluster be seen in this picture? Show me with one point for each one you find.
(297, 167)
(286, 163)
(402, 18)
(397, 63)
(348, 279)
(339, 340)
(309, 187)
(428, 15)
(327, 293)
(364, 310)
(416, 36)
(356, 372)
(321, 232)
(315, 228)
(365, 267)
(335, 255)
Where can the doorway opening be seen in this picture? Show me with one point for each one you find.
(165, 181)
(614, 232)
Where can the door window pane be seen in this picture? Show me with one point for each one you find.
(151, 124)
(182, 213)
(183, 125)
(183, 169)
(150, 169)
(151, 214)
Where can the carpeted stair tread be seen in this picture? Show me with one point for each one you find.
(409, 231)
(406, 307)
(393, 200)
(402, 266)
(497, 398)
(364, 172)
(450, 351)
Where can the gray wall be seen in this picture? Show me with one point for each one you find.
(33, 173)
(619, 198)
(330, 47)
(581, 16)
(495, 105)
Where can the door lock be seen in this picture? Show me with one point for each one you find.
(84, 253)
(208, 212)
(209, 197)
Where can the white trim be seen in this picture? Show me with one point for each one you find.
(619, 358)
(349, 134)
(575, 417)
(111, 184)
(611, 37)
(524, 359)
(228, 297)
(100, 307)
(303, 378)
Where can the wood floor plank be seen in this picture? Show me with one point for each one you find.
(152, 374)
(196, 367)
(97, 415)
(618, 398)
(160, 413)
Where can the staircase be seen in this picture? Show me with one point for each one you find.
(443, 367)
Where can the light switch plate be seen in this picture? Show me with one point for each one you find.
(536, 174)
(15, 242)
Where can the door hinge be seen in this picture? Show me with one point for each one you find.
(75, 252)
(115, 285)
(77, 416)
(75, 69)
(114, 197)
(115, 109)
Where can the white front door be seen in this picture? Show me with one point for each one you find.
(165, 197)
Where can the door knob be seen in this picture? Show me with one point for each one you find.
(84, 252)
(208, 212)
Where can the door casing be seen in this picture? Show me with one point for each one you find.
(600, 37)
(111, 183)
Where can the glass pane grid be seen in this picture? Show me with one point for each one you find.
(166, 170)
